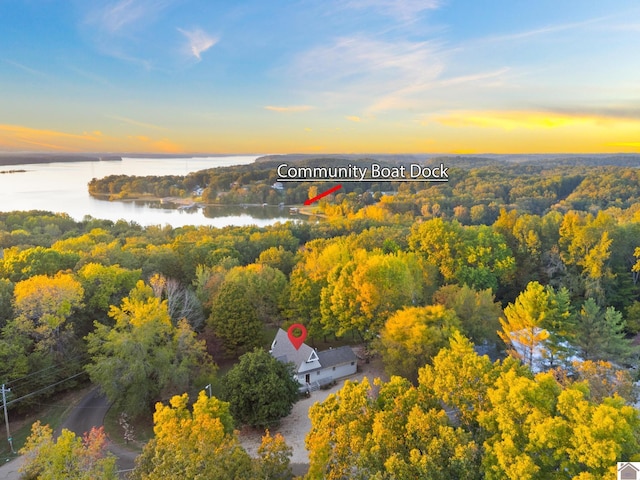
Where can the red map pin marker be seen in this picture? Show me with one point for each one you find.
(297, 341)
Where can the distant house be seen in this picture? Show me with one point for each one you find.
(314, 368)
(278, 186)
(540, 355)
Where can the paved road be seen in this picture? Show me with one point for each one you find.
(89, 413)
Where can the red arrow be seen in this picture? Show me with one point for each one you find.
(323, 194)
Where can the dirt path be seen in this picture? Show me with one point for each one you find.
(295, 427)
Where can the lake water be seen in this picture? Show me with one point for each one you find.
(62, 187)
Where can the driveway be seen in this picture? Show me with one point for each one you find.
(88, 413)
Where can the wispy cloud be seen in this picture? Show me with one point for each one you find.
(362, 71)
(137, 123)
(289, 109)
(25, 68)
(19, 136)
(144, 143)
(198, 41)
(400, 9)
(538, 32)
(353, 118)
(115, 16)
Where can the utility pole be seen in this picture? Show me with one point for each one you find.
(6, 416)
(208, 389)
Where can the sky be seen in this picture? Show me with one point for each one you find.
(330, 76)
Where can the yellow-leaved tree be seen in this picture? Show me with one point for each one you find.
(68, 456)
(201, 444)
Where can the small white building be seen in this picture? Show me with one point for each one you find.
(312, 367)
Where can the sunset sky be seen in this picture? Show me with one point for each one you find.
(342, 76)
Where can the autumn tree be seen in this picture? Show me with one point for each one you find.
(144, 356)
(478, 311)
(265, 288)
(364, 292)
(310, 276)
(273, 458)
(106, 285)
(278, 257)
(539, 322)
(538, 430)
(260, 389)
(606, 380)
(103, 286)
(461, 379)
(476, 255)
(411, 337)
(398, 434)
(44, 306)
(68, 456)
(197, 443)
(585, 244)
(18, 265)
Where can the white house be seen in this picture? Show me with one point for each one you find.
(312, 367)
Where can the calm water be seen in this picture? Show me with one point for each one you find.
(62, 187)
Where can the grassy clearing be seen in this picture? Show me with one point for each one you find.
(52, 412)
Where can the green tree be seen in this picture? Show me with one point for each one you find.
(278, 257)
(234, 320)
(68, 456)
(143, 357)
(265, 288)
(479, 314)
(198, 444)
(6, 298)
(19, 265)
(106, 285)
(601, 333)
(260, 389)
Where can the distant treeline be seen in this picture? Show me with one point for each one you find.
(18, 159)
(477, 189)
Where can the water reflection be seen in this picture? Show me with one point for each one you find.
(62, 187)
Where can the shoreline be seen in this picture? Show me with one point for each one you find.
(190, 202)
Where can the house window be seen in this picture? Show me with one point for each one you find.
(334, 369)
(353, 363)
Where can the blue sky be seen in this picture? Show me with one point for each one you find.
(331, 76)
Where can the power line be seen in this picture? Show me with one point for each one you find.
(13, 382)
(44, 388)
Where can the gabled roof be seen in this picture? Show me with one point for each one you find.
(305, 358)
(336, 356)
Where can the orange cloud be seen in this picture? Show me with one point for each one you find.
(18, 136)
(509, 120)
